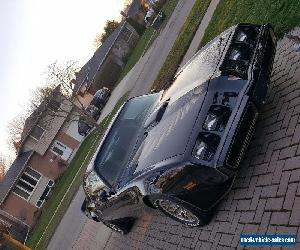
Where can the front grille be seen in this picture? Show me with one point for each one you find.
(242, 136)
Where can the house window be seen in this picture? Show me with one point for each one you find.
(61, 150)
(37, 132)
(44, 195)
(22, 193)
(58, 150)
(54, 106)
(27, 183)
(126, 34)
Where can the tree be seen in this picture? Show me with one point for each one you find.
(59, 85)
(109, 28)
(2, 171)
(126, 5)
(15, 129)
(4, 163)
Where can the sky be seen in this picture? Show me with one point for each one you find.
(35, 33)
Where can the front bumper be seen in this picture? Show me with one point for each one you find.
(250, 96)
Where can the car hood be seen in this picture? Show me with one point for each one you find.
(170, 136)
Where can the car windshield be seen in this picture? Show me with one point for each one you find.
(119, 143)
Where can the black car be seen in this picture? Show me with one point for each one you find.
(94, 109)
(84, 125)
(179, 150)
(100, 98)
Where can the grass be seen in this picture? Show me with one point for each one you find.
(69, 182)
(282, 14)
(181, 44)
(146, 40)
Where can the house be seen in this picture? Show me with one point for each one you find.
(137, 11)
(47, 145)
(105, 66)
(50, 137)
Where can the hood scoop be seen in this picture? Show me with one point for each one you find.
(155, 117)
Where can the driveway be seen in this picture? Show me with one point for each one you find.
(266, 195)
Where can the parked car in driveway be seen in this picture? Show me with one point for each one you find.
(179, 150)
(84, 125)
(100, 98)
(94, 110)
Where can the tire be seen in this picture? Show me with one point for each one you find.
(116, 228)
(183, 213)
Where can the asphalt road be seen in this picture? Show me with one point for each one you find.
(75, 231)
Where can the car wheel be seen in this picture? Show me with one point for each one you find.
(182, 213)
(115, 228)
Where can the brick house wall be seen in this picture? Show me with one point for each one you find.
(20, 209)
(51, 129)
(48, 164)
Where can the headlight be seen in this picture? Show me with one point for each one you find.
(241, 37)
(247, 34)
(206, 146)
(217, 118)
(235, 55)
(200, 150)
(240, 52)
(211, 122)
(92, 183)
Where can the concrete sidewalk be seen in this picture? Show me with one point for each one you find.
(200, 32)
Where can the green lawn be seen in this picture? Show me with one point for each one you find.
(181, 45)
(146, 40)
(282, 14)
(58, 202)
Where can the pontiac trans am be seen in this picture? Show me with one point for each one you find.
(179, 150)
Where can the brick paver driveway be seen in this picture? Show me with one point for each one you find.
(266, 195)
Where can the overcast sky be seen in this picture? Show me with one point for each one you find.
(34, 33)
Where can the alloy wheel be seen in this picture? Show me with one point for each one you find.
(178, 211)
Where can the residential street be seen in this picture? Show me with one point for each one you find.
(75, 231)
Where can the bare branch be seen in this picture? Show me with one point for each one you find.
(53, 100)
